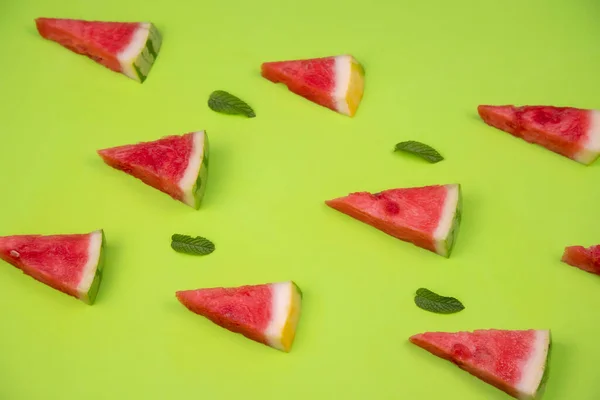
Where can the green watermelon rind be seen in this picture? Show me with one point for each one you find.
(200, 185)
(298, 289)
(90, 297)
(453, 232)
(543, 382)
(138, 67)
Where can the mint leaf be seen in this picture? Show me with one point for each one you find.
(226, 103)
(196, 246)
(429, 301)
(420, 149)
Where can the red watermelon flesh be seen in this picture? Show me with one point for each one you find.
(585, 259)
(175, 165)
(313, 79)
(571, 132)
(265, 313)
(513, 361)
(428, 216)
(334, 82)
(71, 264)
(127, 47)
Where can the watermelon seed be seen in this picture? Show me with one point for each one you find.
(15, 254)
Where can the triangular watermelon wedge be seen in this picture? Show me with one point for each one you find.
(69, 263)
(267, 313)
(175, 165)
(427, 216)
(571, 132)
(335, 82)
(587, 259)
(515, 362)
(126, 47)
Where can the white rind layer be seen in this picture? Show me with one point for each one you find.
(591, 148)
(137, 54)
(343, 74)
(533, 370)
(188, 181)
(445, 225)
(89, 270)
(282, 293)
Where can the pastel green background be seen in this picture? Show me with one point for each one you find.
(428, 64)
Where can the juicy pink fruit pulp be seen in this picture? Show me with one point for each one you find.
(410, 214)
(560, 129)
(57, 261)
(585, 259)
(160, 164)
(245, 309)
(495, 356)
(312, 79)
(98, 40)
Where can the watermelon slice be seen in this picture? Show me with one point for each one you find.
(266, 313)
(175, 165)
(427, 216)
(127, 47)
(585, 259)
(69, 263)
(571, 132)
(515, 362)
(333, 82)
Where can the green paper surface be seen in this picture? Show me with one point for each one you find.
(428, 65)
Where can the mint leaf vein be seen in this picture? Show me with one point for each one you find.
(192, 245)
(226, 103)
(430, 301)
(422, 150)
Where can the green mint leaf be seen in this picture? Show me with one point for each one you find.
(420, 149)
(429, 301)
(226, 103)
(196, 246)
